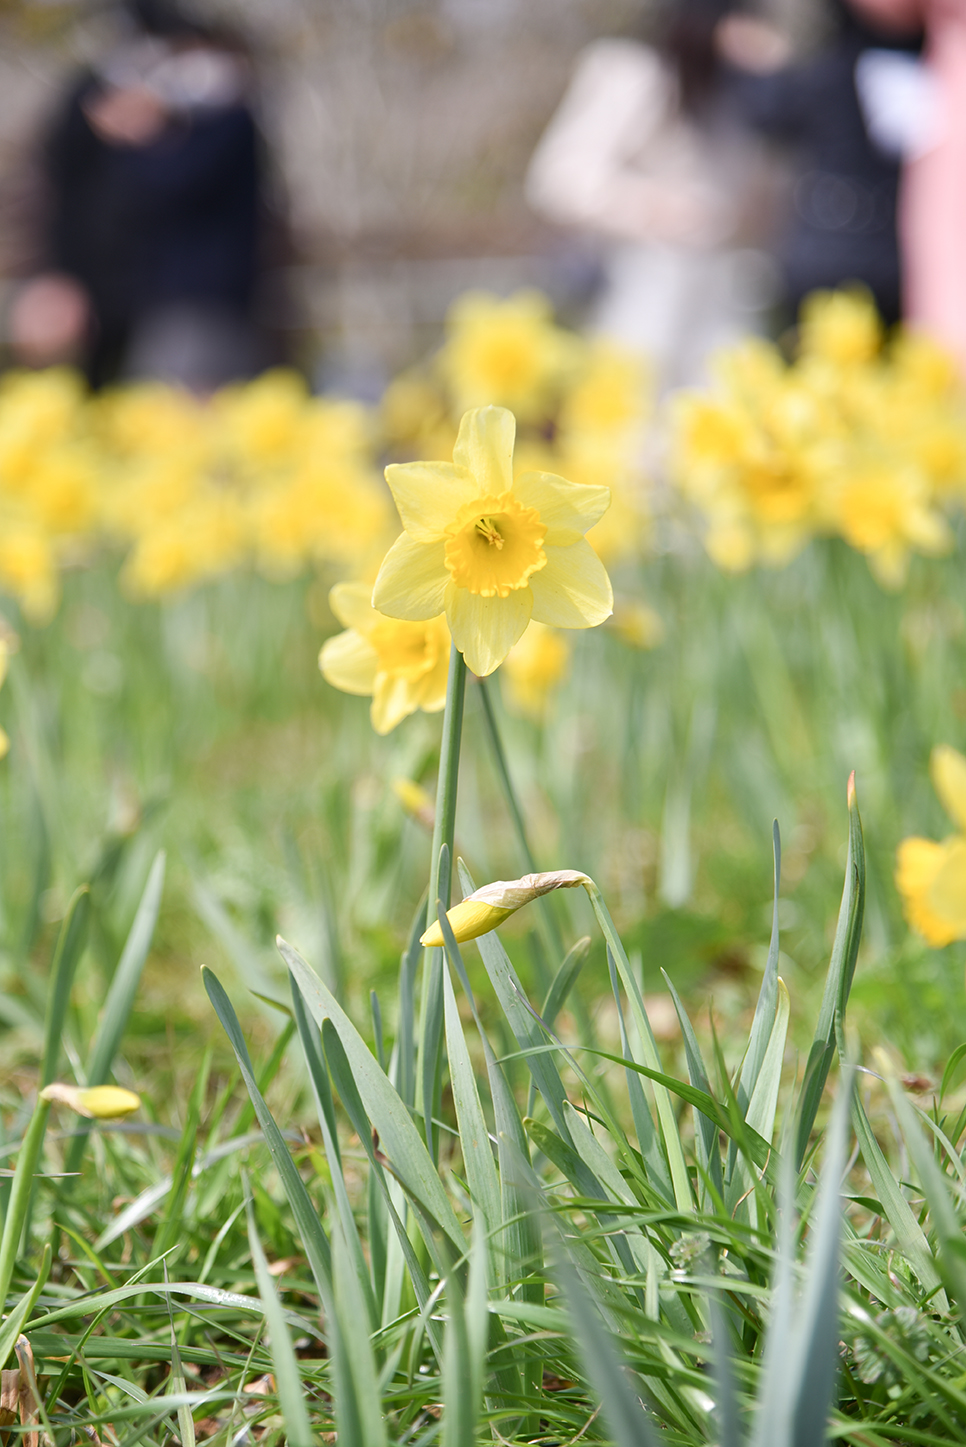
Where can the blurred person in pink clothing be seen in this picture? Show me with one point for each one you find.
(933, 200)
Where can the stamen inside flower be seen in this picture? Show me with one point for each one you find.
(494, 545)
(488, 529)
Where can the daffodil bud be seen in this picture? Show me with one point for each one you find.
(483, 910)
(96, 1102)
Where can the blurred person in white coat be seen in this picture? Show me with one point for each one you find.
(645, 153)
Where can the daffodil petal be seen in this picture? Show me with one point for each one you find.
(947, 894)
(348, 662)
(428, 495)
(412, 580)
(948, 769)
(468, 921)
(4, 744)
(573, 590)
(393, 699)
(350, 602)
(485, 629)
(567, 509)
(484, 448)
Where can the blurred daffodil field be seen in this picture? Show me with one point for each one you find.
(249, 645)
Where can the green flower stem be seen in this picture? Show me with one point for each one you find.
(20, 1193)
(430, 1071)
(553, 940)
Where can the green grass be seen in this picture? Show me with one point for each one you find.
(271, 1243)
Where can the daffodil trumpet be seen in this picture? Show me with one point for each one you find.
(489, 906)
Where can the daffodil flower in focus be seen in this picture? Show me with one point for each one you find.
(489, 550)
(95, 1102)
(402, 665)
(485, 908)
(931, 876)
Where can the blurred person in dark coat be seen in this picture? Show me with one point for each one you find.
(845, 114)
(151, 244)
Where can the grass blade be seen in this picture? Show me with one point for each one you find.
(838, 981)
(288, 1380)
(309, 1227)
(13, 1323)
(399, 1138)
(70, 947)
(120, 996)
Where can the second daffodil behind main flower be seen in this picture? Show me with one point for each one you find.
(490, 551)
(402, 665)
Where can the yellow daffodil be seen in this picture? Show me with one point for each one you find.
(490, 550)
(637, 625)
(534, 668)
(506, 351)
(402, 665)
(96, 1102)
(841, 326)
(931, 877)
(485, 908)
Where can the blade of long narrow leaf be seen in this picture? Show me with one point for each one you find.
(760, 1115)
(706, 1132)
(481, 1172)
(725, 1379)
(510, 993)
(288, 1380)
(909, 1234)
(70, 947)
(764, 1100)
(13, 1322)
(120, 996)
(312, 1049)
(762, 1024)
(673, 1149)
(606, 1372)
(196, 1291)
(309, 1226)
(358, 1401)
(649, 1139)
(564, 980)
(177, 1384)
(838, 980)
(405, 1081)
(344, 1081)
(399, 1138)
(818, 1318)
(772, 1424)
(945, 1222)
(127, 976)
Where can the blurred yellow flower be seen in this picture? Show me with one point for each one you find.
(489, 906)
(931, 877)
(417, 801)
(96, 1102)
(840, 326)
(490, 550)
(505, 352)
(533, 669)
(637, 625)
(402, 665)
